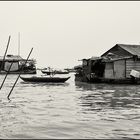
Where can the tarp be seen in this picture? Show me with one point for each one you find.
(13, 68)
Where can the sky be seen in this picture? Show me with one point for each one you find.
(63, 32)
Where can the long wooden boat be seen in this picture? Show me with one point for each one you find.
(45, 79)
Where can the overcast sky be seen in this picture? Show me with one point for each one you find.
(61, 33)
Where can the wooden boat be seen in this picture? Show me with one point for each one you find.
(16, 63)
(45, 79)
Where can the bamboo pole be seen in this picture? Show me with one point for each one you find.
(19, 75)
(5, 53)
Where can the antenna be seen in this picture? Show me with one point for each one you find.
(19, 43)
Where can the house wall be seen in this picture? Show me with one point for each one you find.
(131, 64)
(115, 69)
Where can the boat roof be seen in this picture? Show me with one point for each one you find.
(13, 58)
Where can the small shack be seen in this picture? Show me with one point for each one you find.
(115, 64)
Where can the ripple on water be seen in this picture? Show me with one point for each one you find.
(69, 110)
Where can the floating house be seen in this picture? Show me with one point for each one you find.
(120, 64)
(18, 65)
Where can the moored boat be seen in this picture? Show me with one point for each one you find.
(18, 65)
(46, 79)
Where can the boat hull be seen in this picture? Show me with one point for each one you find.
(19, 72)
(44, 79)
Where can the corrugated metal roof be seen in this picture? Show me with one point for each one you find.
(95, 58)
(133, 49)
(92, 58)
(116, 59)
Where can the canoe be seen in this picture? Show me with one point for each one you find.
(45, 79)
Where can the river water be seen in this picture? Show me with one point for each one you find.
(70, 110)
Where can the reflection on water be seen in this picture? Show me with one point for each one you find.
(109, 96)
(33, 84)
(69, 110)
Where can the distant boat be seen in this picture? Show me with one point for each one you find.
(45, 79)
(61, 72)
(54, 72)
(46, 72)
(49, 72)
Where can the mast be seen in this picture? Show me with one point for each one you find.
(19, 43)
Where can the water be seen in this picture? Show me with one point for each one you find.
(69, 110)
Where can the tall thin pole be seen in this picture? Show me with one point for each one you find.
(5, 53)
(19, 75)
(19, 44)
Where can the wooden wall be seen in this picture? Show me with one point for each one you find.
(119, 69)
(109, 70)
(115, 70)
